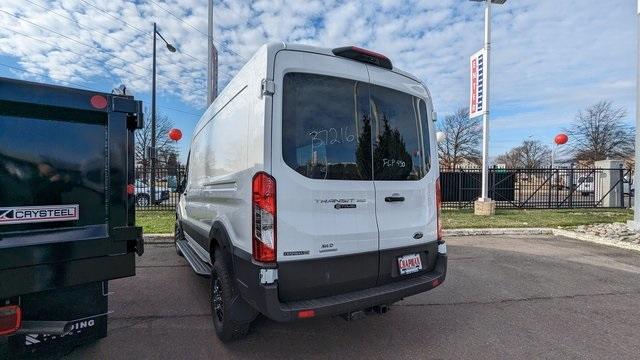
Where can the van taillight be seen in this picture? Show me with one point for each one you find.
(264, 217)
(10, 319)
(439, 209)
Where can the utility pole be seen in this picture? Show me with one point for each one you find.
(635, 224)
(212, 61)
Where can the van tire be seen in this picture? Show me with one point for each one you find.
(222, 295)
(143, 200)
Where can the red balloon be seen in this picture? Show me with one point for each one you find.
(561, 139)
(175, 134)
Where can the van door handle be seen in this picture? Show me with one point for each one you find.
(394, 198)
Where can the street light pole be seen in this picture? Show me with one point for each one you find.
(152, 152)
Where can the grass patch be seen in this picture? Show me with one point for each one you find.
(460, 219)
(156, 222)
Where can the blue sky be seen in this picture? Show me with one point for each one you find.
(550, 58)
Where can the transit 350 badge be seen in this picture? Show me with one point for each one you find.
(36, 214)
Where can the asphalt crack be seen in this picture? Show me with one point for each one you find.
(533, 298)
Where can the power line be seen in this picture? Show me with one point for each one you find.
(115, 17)
(181, 111)
(103, 63)
(92, 47)
(198, 30)
(62, 81)
(136, 28)
(179, 19)
(98, 32)
(87, 88)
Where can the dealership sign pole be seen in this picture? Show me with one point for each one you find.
(479, 105)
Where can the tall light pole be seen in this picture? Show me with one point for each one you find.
(153, 152)
(484, 205)
(212, 61)
(635, 224)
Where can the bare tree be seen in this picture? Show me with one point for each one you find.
(165, 146)
(530, 154)
(599, 132)
(462, 142)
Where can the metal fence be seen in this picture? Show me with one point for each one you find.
(540, 188)
(166, 183)
(510, 188)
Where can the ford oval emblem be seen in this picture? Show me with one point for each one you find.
(418, 235)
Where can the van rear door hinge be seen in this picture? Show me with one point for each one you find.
(268, 87)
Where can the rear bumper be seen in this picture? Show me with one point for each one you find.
(265, 297)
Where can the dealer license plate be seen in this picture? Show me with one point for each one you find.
(409, 264)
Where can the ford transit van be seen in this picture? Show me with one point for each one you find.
(312, 189)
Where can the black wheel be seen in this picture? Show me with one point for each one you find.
(223, 297)
(177, 235)
(143, 200)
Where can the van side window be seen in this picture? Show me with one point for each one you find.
(326, 127)
(426, 139)
(397, 150)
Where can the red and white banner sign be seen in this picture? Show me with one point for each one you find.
(477, 105)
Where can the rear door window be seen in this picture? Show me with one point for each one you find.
(326, 127)
(397, 149)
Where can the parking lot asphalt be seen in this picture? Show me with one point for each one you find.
(504, 297)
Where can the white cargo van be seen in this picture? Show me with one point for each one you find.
(312, 189)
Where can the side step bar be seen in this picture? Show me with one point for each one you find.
(199, 266)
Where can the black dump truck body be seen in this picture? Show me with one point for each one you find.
(67, 214)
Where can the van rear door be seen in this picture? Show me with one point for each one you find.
(327, 236)
(404, 184)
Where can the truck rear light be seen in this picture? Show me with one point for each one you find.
(439, 209)
(305, 314)
(264, 217)
(363, 55)
(10, 319)
(131, 189)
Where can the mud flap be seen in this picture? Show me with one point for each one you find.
(82, 309)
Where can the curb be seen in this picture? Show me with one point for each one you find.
(544, 231)
(158, 238)
(499, 231)
(168, 238)
(596, 239)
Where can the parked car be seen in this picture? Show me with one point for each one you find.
(585, 185)
(312, 189)
(143, 194)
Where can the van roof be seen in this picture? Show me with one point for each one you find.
(277, 46)
(261, 60)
